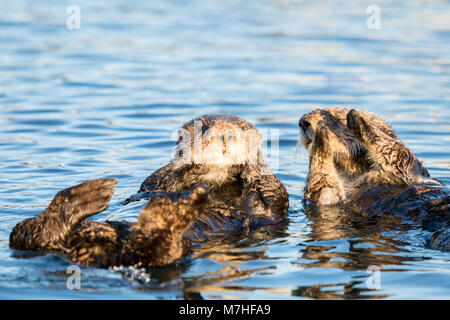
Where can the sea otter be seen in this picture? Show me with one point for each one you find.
(217, 182)
(223, 152)
(357, 162)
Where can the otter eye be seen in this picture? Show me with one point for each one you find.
(179, 139)
(180, 153)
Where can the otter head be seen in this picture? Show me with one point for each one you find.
(215, 143)
(308, 125)
(333, 117)
(345, 148)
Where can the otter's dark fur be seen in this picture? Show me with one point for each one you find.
(156, 239)
(230, 189)
(356, 162)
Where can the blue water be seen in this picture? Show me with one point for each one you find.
(105, 99)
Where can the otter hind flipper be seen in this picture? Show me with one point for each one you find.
(157, 237)
(175, 210)
(82, 201)
(69, 207)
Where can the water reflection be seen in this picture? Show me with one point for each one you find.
(229, 254)
(335, 241)
(359, 244)
(338, 291)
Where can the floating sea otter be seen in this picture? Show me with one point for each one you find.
(356, 162)
(216, 183)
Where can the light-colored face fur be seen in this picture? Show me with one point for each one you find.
(216, 143)
(308, 123)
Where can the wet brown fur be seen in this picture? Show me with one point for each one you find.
(156, 239)
(238, 196)
(357, 162)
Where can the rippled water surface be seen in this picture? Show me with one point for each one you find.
(104, 100)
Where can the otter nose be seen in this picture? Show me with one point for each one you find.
(304, 124)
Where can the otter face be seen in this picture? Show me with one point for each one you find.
(218, 140)
(343, 146)
(308, 125)
(344, 143)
